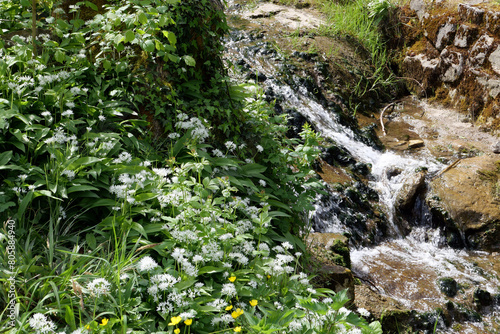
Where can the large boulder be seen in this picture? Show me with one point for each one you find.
(466, 193)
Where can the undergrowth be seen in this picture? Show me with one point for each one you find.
(142, 191)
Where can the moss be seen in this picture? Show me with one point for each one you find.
(342, 251)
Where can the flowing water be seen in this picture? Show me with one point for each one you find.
(404, 267)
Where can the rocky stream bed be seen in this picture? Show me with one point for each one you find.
(411, 224)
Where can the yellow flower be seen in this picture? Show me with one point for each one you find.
(87, 327)
(268, 276)
(174, 321)
(104, 322)
(237, 329)
(228, 308)
(177, 331)
(188, 322)
(232, 279)
(237, 313)
(254, 302)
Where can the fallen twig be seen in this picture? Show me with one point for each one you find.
(382, 115)
(447, 168)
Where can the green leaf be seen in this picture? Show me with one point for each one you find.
(138, 227)
(129, 36)
(143, 19)
(24, 204)
(84, 161)
(118, 39)
(189, 60)
(5, 157)
(91, 241)
(148, 46)
(25, 3)
(210, 270)
(106, 64)
(171, 37)
(253, 169)
(59, 56)
(81, 188)
(145, 197)
(91, 5)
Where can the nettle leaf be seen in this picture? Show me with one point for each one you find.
(118, 39)
(148, 46)
(189, 60)
(171, 37)
(129, 36)
(142, 18)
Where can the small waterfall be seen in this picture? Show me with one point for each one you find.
(407, 267)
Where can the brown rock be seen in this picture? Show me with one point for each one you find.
(468, 198)
(328, 250)
(393, 315)
(416, 143)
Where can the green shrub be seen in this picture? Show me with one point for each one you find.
(117, 228)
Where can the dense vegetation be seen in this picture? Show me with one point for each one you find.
(143, 191)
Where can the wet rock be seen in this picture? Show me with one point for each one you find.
(393, 171)
(295, 123)
(407, 195)
(416, 143)
(326, 249)
(496, 148)
(334, 243)
(258, 76)
(394, 316)
(469, 202)
(337, 155)
(482, 298)
(448, 286)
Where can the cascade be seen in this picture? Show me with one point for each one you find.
(404, 264)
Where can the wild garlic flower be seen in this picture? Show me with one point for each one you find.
(147, 264)
(229, 290)
(259, 148)
(99, 287)
(41, 324)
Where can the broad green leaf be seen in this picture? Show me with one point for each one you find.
(210, 270)
(59, 56)
(148, 46)
(253, 169)
(91, 5)
(69, 317)
(81, 188)
(24, 204)
(5, 157)
(118, 39)
(189, 60)
(129, 36)
(106, 64)
(171, 37)
(143, 19)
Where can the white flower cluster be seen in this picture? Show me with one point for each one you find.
(147, 264)
(99, 287)
(41, 324)
(198, 129)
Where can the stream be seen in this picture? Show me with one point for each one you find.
(404, 265)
